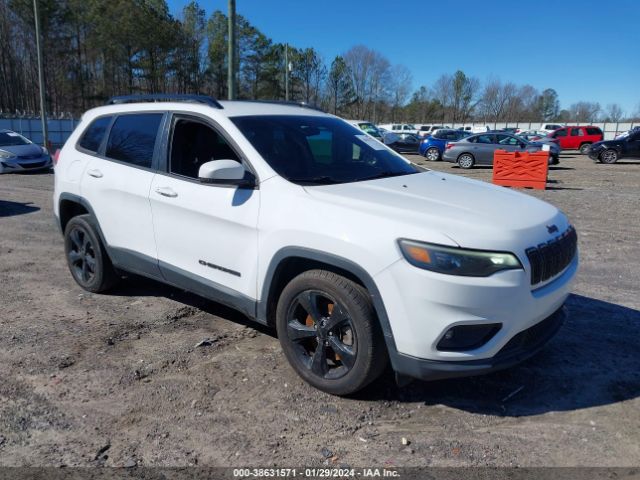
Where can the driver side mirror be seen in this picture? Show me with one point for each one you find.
(226, 172)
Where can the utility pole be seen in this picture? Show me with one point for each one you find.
(286, 72)
(43, 113)
(231, 67)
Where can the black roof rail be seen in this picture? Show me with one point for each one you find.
(286, 102)
(164, 97)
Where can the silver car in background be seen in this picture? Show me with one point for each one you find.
(478, 149)
(19, 154)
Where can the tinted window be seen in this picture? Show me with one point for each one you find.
(442, 134)
(133, 137)
(507, 140)
(577, 132)
(92, 137)
(194, 143)
(594, 131)
(484, 139)
(560, 133)
(320, 150)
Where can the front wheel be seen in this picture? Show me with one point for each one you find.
(466, 161)
(609, 156)
(329, 332)
(432, 154)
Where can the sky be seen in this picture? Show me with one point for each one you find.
(585, 50)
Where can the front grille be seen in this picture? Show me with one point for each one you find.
(549, 259)
(29, 157)
(33, 165)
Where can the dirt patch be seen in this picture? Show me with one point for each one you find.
(150, 375)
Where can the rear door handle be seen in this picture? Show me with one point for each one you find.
(166, 192)
(95, 173)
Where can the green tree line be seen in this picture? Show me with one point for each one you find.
(95, 49)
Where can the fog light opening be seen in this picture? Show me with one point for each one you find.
(467, 337)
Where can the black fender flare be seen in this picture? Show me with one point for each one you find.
(87, 206)
(336, 261)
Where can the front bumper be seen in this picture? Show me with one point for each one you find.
(521, 347)
(31, 165)
(595, 154)
(422, 306)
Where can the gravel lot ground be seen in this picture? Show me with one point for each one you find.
(117, 380)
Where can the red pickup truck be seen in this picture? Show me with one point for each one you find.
(577, 138)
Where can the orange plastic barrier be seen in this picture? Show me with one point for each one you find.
(520, 169)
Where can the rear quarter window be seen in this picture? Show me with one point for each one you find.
(132, 138)
(92, 137)
(594, 131)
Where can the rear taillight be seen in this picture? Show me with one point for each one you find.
(55, 157)
(449, 145)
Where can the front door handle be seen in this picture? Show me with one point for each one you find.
(95, 173)
(166, 192)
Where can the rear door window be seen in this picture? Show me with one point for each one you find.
(577, 132)
(92, 137)
(507, 140)
(561, 133)
(133, 137)
(485, 139)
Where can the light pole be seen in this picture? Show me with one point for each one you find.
(231, 67)
(43, 113)
(286, 72)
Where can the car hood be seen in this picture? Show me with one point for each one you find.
(23, 150)
(431, 206)
(607, 143)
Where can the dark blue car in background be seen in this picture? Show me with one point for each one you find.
(433, 146)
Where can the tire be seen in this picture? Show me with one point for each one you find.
(86, 257)
(584, 148)
(609, 156)
(321, 306)
(466, 161)
(432, 154)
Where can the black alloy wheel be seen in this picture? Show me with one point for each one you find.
(329, 332)
(86, 256)
(321, 330)
(81, 255)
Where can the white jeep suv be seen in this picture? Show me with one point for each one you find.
(303, 222)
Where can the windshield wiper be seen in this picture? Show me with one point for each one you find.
(319, 180)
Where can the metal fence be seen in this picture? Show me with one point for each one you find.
(610, 129)
(59, 129)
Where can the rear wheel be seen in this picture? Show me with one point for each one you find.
(609, 156)
(466, 161)
(432, 154)
(584, 148)
(86, 257)
(329, 333)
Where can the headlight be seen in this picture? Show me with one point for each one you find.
(4, 154)
(44, 151)
(457, 261)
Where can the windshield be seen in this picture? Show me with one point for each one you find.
(370, 128)
(11, 139)
(313, 150)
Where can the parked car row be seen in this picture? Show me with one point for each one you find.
(478, 149)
